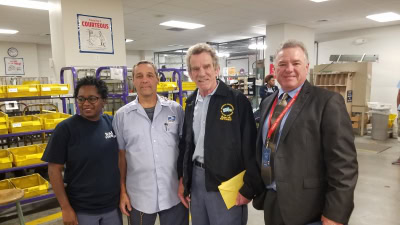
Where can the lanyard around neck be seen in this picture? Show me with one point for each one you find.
(273, 127)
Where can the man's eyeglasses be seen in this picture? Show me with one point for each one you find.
(90, 99)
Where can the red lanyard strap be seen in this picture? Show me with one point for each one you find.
(273, 127)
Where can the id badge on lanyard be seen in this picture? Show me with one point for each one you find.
(267, 151)
(266, 156)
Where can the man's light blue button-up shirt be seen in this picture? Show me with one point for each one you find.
(199, 124)
(151, 153)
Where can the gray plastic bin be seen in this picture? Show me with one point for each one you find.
(380, 126)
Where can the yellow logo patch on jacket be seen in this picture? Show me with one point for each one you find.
(227, 112)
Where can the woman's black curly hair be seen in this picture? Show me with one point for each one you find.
(100, 85)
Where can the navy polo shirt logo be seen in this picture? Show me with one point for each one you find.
(110, 135)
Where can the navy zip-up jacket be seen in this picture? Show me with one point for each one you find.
(229, 142)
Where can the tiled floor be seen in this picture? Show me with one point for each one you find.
(377, 197)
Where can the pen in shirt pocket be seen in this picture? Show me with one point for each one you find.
(166, 126)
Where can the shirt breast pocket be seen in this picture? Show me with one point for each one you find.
(172, 128)
(171, 134)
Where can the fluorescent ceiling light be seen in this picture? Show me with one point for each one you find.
(128, 40)
(257, 46)
(180, 51)
(318, 1)
(221, 54)
(4, 31)
(384, 17)
(26, 4)
(180, 24)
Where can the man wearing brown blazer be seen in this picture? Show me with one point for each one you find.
(309, 164)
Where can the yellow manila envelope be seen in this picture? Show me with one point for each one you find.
(229, 189)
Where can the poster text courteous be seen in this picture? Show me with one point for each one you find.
(95, 34)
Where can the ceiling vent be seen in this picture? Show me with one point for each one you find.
(176, 29)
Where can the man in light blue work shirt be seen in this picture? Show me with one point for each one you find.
(148, 131)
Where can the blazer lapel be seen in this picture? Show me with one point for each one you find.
(296, 109)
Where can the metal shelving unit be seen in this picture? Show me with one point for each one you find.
(176, 73)
(13, 169)
(27, 200)
(123, 96)
(30, 200)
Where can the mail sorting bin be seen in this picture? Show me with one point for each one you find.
(380, 120)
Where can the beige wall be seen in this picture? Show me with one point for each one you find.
(27, 51)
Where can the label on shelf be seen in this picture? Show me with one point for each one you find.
(116, 73)
(11, 105)
(13, 90)
(32, 89)
(66, 96)
(64, 88)
(45, 88)
(16, 125)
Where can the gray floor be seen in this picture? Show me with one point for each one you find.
(377, 197)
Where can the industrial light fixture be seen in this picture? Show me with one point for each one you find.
(180, 24)
(222, 54)
(384, 17)
(318, 1)
(26, 4)
(5, 31)
(128, 40)
(257, 46)
(180, 51)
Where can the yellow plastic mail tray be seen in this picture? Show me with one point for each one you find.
(166, 86)
(30, 82)
(50, 120)
(6, 159)
(3, 123)
(54, 89)
(6, 184)
(108, 113)
(22, 90)
(27, 155)
(3, 91)
(19, 124)
(33, 185)
(42, 146)
(189, 86)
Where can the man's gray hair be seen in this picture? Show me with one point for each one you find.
(291, 43)
(144, 62)
(200, 48)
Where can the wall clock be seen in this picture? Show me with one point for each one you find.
(13, 52)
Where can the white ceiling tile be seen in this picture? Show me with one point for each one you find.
(224, 19)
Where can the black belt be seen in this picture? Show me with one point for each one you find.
(199, 164)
